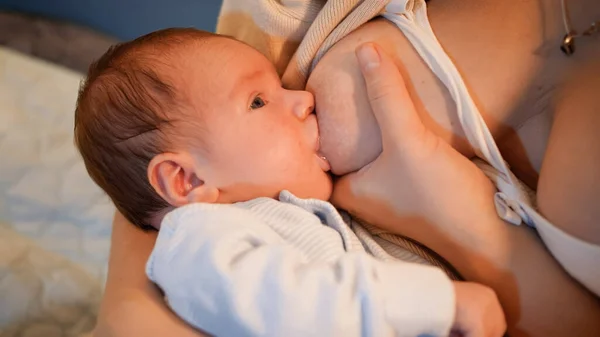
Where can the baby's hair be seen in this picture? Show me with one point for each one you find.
(123, 113)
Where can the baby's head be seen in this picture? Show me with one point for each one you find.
(181, 116)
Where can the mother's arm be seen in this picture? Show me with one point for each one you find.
(132, 305)
(539, 297)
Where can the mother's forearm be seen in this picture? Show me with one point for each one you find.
(135, 313)
(539, 298)
(132, 305)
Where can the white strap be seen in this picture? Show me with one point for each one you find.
(513, 204)
(411, 17)
(578, 257)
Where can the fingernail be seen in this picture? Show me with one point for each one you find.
(367, 55)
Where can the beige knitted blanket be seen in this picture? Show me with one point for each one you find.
(300, 29)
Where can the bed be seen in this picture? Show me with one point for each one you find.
(54, 221)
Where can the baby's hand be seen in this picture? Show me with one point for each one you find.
(478, 311)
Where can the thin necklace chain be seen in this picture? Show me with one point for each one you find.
(568, 43)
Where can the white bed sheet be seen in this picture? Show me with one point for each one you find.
(54, 221)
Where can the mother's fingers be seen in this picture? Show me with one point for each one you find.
(389, 99)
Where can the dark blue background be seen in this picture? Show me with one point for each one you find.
(125, 19)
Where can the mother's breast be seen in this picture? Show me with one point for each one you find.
(350, 137)
(501, 65)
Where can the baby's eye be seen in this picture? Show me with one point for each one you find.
(257, 103)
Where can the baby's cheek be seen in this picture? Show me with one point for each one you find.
(350, 137)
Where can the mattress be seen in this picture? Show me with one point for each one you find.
(54, 221)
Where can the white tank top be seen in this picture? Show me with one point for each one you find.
(514, 201)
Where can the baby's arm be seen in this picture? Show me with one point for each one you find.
(231, 275)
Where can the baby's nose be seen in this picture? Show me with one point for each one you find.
(303, 111)
(304, 104)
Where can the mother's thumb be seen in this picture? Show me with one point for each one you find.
(391, 104)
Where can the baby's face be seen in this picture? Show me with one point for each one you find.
(259, 138)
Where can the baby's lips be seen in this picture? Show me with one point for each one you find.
(318, 131)
(323, 162)
(318, 144)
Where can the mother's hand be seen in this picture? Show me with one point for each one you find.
(419, 186)
(422, 188)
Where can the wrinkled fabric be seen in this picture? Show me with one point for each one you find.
(291, 267)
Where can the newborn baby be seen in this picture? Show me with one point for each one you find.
(192, 134)
(183, 116)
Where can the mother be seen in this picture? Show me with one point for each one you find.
(517, 75)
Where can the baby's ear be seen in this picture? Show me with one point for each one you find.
(175, 177)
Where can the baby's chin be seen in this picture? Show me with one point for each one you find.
(323, 190)
(318, 188)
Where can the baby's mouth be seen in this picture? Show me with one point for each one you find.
(323, 162)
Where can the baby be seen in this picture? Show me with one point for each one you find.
(192, 134)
